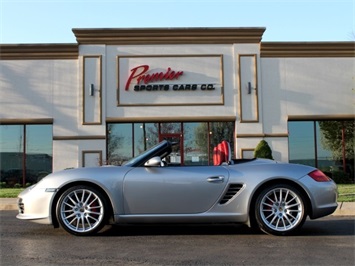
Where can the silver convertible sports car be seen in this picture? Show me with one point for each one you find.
(273, 197)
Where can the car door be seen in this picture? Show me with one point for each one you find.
(173, 190)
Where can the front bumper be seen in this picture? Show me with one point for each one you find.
(34, 205)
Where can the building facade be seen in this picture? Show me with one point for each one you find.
(116, 92)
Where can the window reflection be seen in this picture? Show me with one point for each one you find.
(219, 131)
(325, 159)
(33, 141)
(301, 143)
(126, 140)
(11, 148)
(38, 152)
(170, 128)
(120, 141)
(145, 136)
(327, 145)
(140, 138)
(195, 144)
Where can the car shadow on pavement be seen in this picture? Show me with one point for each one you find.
(341, 226)
(338, 227)
(172, 229)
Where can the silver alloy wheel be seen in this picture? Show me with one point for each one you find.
(81, 210)
(281, 209)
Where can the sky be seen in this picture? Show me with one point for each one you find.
(52, 21)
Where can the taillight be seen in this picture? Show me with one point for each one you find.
(319, 176)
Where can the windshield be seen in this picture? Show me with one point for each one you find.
(141, 156)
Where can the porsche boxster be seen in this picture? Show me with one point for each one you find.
(264, 194)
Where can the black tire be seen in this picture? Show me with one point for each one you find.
(280, 210)
(82, 210)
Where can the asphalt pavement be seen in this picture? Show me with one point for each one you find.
(344, 208)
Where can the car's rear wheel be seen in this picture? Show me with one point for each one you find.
(280, 210)
(81, 210)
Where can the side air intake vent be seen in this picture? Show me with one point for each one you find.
(231, 192)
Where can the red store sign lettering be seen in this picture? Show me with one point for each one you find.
(140, 74)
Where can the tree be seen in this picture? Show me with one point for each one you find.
(338, 137)
(263, 150)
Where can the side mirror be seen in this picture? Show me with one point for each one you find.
(155, 161)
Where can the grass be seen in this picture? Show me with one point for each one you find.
(9, 192)
(346, 193)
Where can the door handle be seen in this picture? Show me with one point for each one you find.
(216, 179)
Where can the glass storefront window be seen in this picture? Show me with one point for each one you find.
(120, 139)
(145, 136)
(126, 140)
(25, 153)
(170, 128)
(140, 138)
(301, 143)
(337, 138)
(38, 152)
(325, 159)
(195, 144)
(327, 145)
(219, 131)
(11, 158)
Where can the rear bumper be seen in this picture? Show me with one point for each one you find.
(324, 211)
(323, 197)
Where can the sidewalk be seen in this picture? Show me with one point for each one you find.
(344, 208)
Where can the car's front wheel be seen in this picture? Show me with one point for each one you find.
(81, 210)
(280, 210)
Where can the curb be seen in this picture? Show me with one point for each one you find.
(344, 208)
(8, 204)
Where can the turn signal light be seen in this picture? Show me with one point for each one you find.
(319, 176)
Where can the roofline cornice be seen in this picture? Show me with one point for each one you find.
(144, 36)
(307, 49)
(175, 36)
(38, 51)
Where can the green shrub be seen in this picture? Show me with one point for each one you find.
(17, 185)
(340, 177)
(263, 150)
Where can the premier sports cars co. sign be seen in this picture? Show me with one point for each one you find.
(170, 80)
(145, 81)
